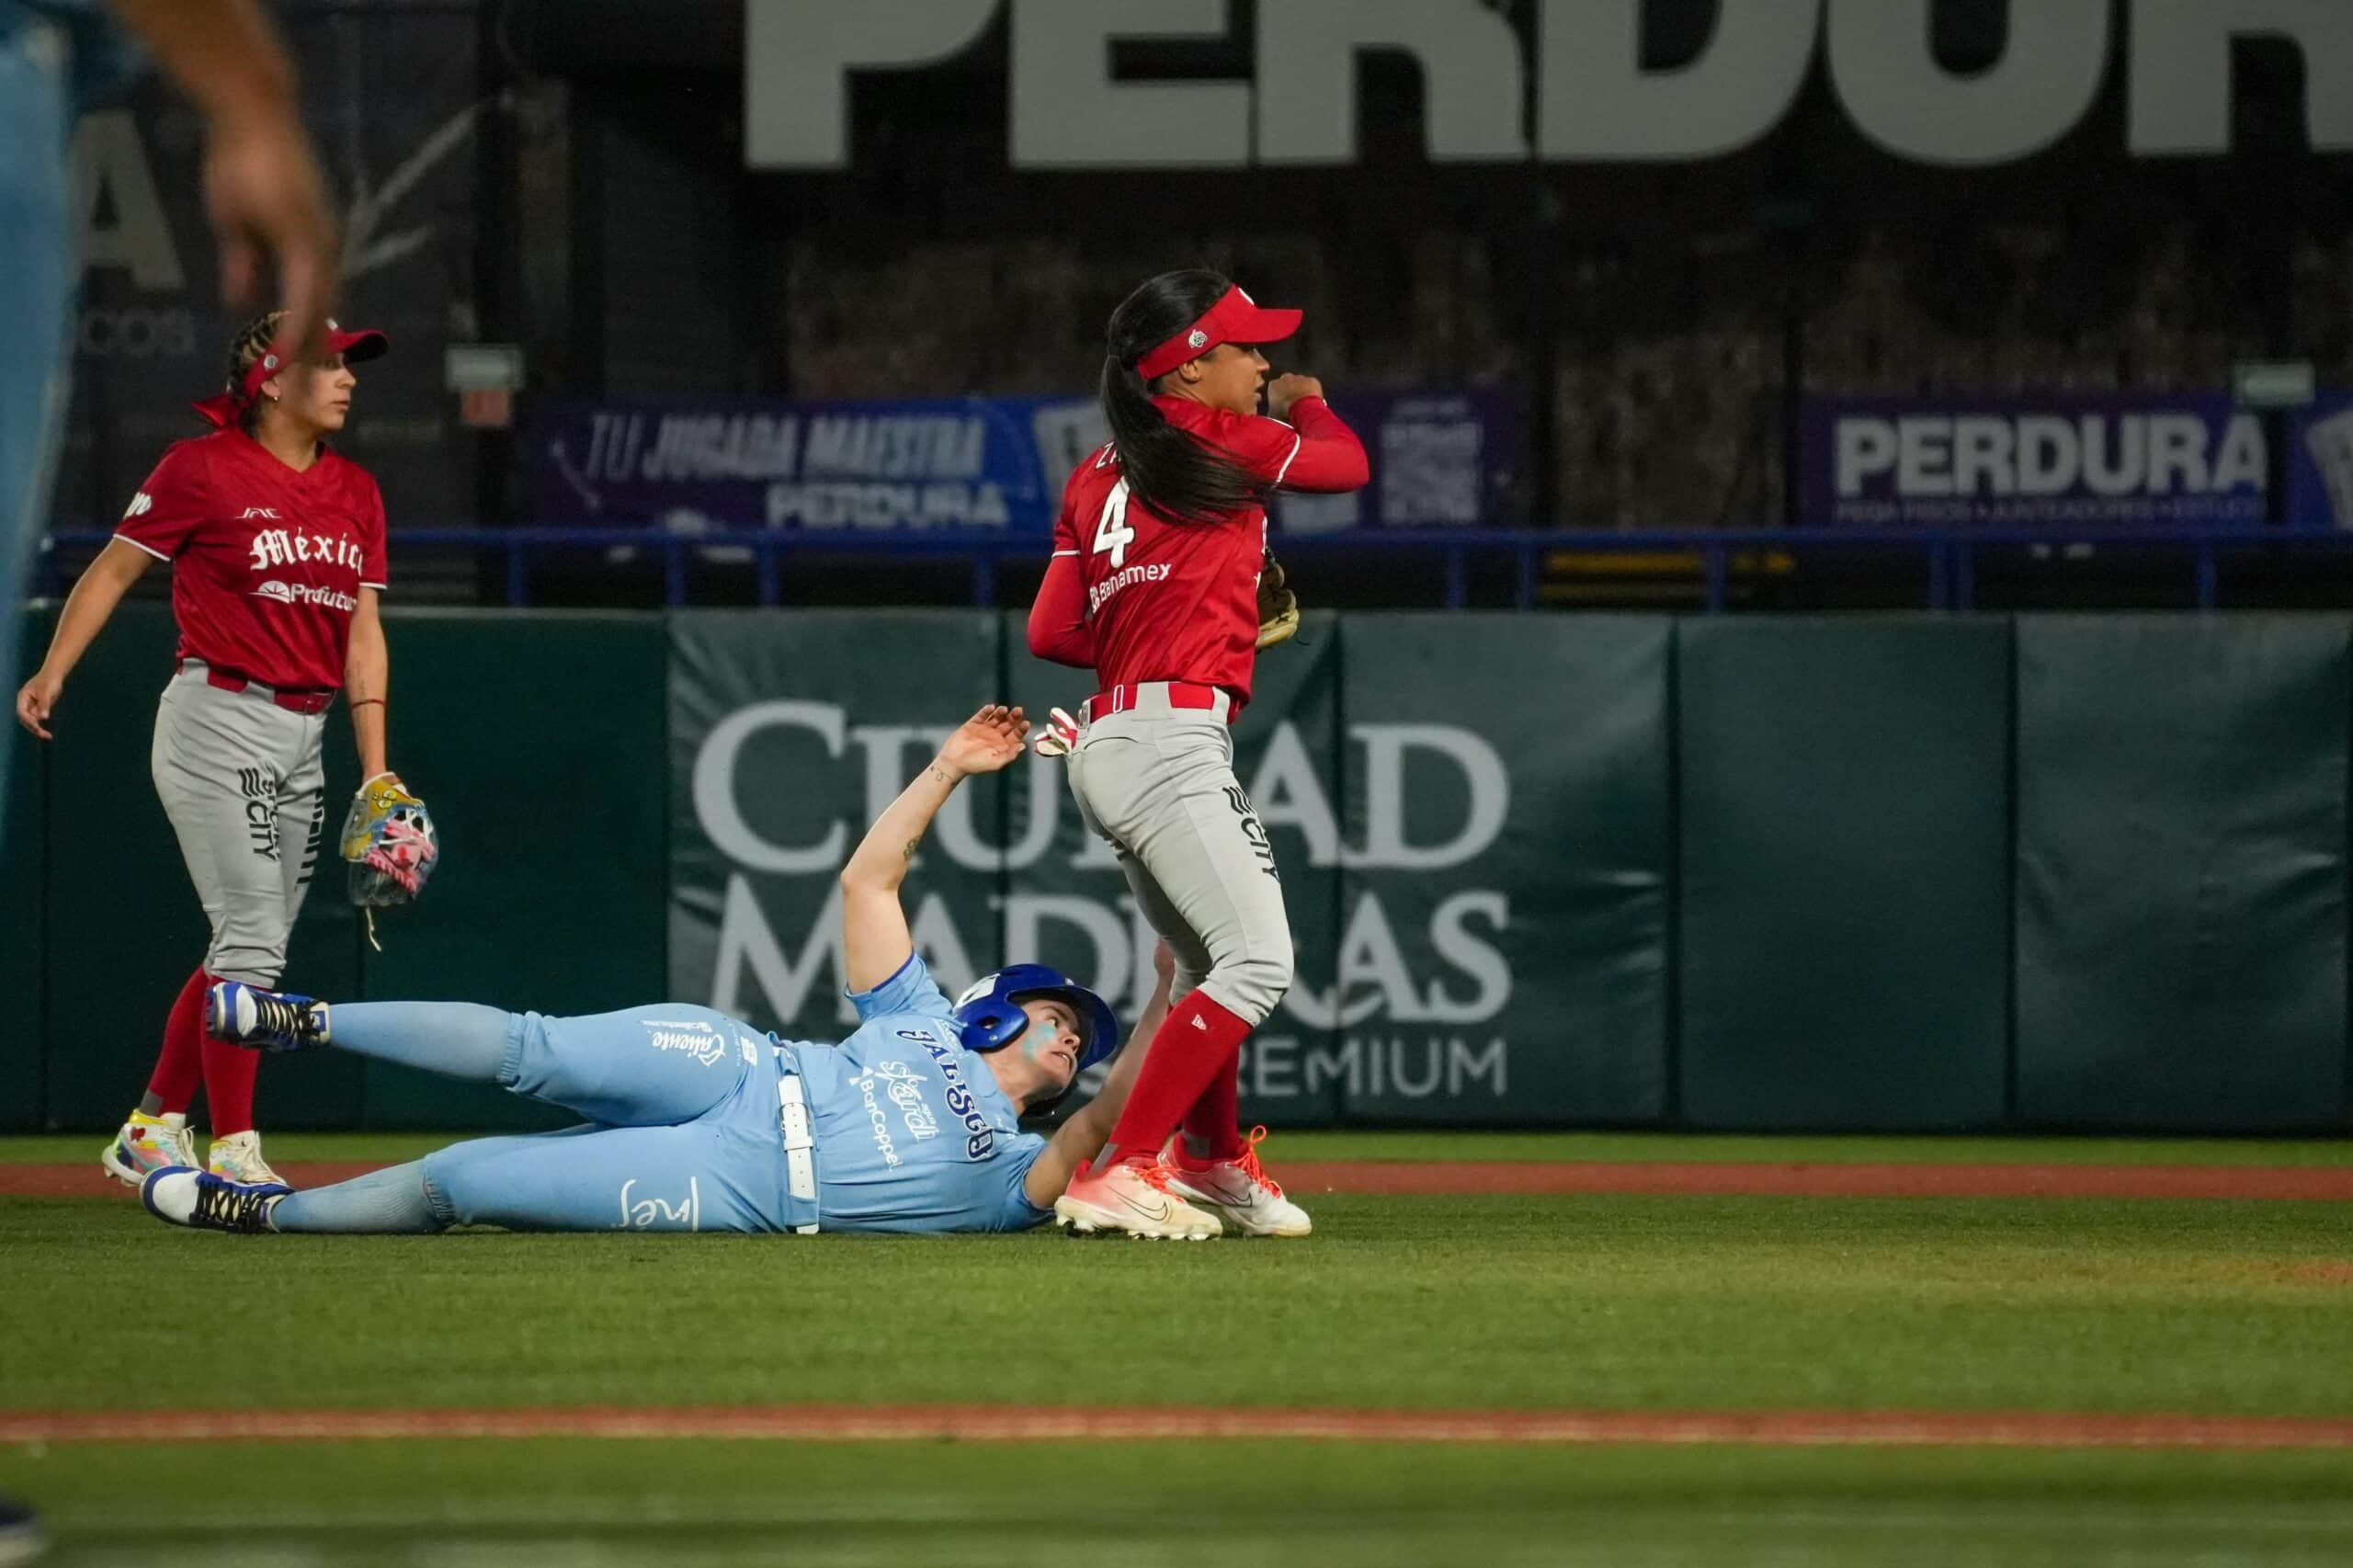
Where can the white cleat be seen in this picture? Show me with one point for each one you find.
(1239, 1192)
(237, 1158)
(1130, 1199)
(147, 1144)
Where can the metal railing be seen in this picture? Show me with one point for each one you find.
(1951, 556)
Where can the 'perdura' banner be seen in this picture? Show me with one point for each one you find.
(1439, 459)
(2007, 462)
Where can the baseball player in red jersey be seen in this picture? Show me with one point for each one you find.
(1154, 584)
(276, 545)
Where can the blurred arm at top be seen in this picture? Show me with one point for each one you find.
(262, 185)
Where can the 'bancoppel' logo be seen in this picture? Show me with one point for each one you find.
(304, 594)
(141, 503)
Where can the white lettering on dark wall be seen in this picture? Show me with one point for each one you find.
(1595, 102)
(1446, 972)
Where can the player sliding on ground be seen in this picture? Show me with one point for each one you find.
(698, 1122)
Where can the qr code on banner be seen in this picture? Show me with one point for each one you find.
(1431, 472)
(2331, 442)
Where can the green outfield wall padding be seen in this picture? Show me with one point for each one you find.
(790, 731)
(1872, 873)
(2181, 866)
(540, 745)
(124, 927)
(1843, 828)
(23, 837)
(1502, 955)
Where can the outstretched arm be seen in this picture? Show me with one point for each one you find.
(96, 593)
(1082, 1136)
(875, 941)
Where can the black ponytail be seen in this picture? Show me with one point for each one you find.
(253, 340)
(1168, 472)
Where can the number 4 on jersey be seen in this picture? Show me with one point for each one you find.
(1111, 530)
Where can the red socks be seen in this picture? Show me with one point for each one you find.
(182, 1057)
(1214, 1127)
(1197, 1047)
(229, 1073)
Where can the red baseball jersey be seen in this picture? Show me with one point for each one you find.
(267, 563)
(1142, 598)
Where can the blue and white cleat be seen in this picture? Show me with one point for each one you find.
(203, 1201)
(266, 1020)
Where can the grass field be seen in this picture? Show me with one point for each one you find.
(1561, 1302)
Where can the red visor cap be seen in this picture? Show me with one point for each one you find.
(1236, 318)
(357, 348)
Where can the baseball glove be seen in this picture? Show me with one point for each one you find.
(1278, 605)
(389, 842)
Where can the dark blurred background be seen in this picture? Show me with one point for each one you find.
(1642, 339)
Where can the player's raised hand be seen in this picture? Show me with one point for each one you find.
(987, 741)
(1286, 389)
(35, 700)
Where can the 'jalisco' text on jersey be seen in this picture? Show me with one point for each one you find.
(267, 562)
(1143, 598)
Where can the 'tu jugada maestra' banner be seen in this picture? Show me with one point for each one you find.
(993, 464)
(1477, 901)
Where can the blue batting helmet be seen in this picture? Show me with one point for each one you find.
(989, 1014)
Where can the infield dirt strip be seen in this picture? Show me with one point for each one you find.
(1043, 1424)
(1660, 1178)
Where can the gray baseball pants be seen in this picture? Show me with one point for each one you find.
(1158, 783)
(242, 782)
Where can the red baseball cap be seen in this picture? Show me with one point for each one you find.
(357, 348)
(1236, 318)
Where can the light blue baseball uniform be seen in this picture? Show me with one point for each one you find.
(911, 1131)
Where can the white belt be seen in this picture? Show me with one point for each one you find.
(800, 1164)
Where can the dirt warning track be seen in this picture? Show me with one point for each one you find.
(1037, 1423)
(1435, 1179)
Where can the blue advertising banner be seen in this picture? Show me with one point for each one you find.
(2320, 466)
(1439, 459)
(2014, 462)
(852, 467)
